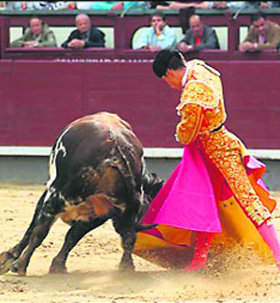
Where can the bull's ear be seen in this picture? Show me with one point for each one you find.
(142, 227)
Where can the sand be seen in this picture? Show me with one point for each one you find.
(93, 274)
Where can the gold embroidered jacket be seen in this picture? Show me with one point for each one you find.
(202, 104)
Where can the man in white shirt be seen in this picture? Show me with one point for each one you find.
(158, 36)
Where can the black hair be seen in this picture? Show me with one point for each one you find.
(257, 16)
(159, 14)
(167, 59)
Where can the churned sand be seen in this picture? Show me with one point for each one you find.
(93, 274)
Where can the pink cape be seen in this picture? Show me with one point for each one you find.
(196, 197)
(187, 199)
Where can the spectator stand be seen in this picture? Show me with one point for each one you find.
(34, 108)
(120, 30)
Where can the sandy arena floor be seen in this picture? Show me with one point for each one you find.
(93, 267)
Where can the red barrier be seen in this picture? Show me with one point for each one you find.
(38, 98)
(42, 90)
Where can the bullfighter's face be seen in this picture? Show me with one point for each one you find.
(174, 78)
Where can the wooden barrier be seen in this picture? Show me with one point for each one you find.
(42, 90)
(124, 27)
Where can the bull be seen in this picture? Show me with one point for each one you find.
(96, 173)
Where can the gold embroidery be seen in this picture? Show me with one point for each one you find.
(204, 88)
(223, 148)
(202, 110)
(187, 130)
(197, 92)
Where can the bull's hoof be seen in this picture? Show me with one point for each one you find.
(126, 267)
(58, 266)
(19, 267)
(58, 269)
(6, 262)
(18, 270)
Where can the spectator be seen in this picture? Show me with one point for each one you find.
(198, 37)
(48, 5)
(268, 4)
(37, 5)
(176, 5)
(37, 34)
(83, 5)
(263, 34)
(234, 5)
(86, 35)
(98, 5)
(158, 36)
(3, 5)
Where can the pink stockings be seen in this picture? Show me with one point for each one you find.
(203, 241)
(269, 235)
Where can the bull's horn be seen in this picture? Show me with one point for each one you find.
(142, 227)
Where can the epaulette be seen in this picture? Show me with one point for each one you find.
(210, 68)
(198, 92)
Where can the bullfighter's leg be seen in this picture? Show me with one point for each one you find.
(74, 235)
(229, 161)
(7, 258)
(200, 255)
(125, 227)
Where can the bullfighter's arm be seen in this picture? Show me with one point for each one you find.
(196, 97)
(191, 119)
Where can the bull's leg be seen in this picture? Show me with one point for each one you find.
(7, 258)
(74, 235)
(38, 234)
(125, 226)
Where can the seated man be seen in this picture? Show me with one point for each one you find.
(37, 34)
(86, 35)
(263, 34)
(158, 36)
(179, 4)
(233, 5)
(198, 37)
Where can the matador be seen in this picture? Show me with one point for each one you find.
(216, 186)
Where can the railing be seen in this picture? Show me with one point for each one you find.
(124, 29)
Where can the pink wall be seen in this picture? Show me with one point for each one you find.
(38, 98)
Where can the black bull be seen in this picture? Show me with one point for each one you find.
(96, 172)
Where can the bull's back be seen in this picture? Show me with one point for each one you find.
(92, 138)
(95, 164)
(90, 142)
